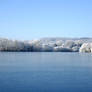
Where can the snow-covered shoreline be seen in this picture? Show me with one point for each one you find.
(48, 44)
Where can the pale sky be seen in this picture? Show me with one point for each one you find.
(30, 19)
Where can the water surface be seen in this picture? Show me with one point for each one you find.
(45, 72)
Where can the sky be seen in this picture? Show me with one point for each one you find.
(31, 19)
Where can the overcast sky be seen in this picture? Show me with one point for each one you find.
(29, 19)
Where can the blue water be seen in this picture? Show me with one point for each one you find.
(45, 72)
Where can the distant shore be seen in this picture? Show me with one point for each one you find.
(47, 45)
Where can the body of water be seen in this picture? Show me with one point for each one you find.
(45, 72)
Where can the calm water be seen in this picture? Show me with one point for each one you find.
(45, 72)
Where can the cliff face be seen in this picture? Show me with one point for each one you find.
(48, 44)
